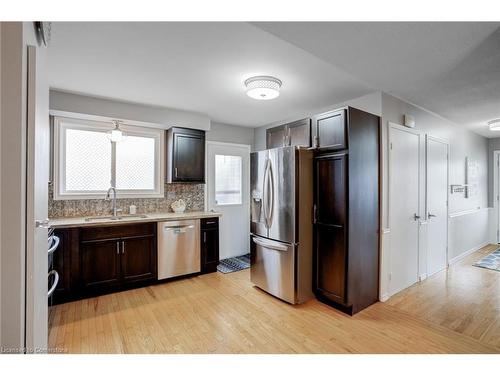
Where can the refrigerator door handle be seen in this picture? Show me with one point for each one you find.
(269, 245)
(264, 194)
(271, 200)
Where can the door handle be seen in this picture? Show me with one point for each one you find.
(55, 244)
(430, 215)
(54, 285)
(118, 248)
(265, 199)
(42, 223)
(271, 200)
(416, 217)
(269, 244)
(123, 247)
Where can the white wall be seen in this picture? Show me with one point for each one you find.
(370, 103)
(151, 115)
(469, 217)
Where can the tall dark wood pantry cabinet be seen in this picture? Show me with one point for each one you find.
(346, 206)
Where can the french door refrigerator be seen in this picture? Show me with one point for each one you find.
(281, 183)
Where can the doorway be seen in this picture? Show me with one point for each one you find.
(437, 204)
(404, 206)
(228, 190)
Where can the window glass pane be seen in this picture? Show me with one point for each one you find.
(88, 160)
(135, 163)
(227, 179)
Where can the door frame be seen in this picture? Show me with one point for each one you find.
(496, 192)
(428, 138)
(395, 126)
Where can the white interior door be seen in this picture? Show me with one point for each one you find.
(404, 207)
(37, 178)
(228, 192)
(437, 205)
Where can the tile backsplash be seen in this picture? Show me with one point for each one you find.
(193, 195)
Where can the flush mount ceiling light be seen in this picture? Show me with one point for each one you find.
(116, 135)
(263, 87)
(494, 124)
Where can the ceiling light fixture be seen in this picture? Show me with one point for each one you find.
(263, 87)
(494, 124)
(116, 135)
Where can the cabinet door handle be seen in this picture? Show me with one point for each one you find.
(118, 248)
(204, 237)
(123, 247)
(175, 171)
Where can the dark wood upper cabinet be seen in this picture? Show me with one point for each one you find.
(346, 200)
(330, 130)
(185, 155)
(209, 244)
(296, 133)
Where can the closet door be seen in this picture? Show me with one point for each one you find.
(404, 206)
(330, 227)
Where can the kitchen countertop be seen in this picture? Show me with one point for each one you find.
(72, 222)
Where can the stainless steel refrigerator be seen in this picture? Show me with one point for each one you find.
(281, 183)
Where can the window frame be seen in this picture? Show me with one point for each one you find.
(240, 181)
(61, 124)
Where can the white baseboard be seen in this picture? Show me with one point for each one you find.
(468, 252)
(384, 297)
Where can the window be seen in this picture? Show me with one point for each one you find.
(87, 163)
(227, 179)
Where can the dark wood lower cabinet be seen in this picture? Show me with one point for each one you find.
(99, 264)
(209, 245)
(138, 261)
(103, 259)
(331, 261)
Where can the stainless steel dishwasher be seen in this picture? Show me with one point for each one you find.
(178, 248)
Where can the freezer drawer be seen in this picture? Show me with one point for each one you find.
(178, 248)
(273, 267)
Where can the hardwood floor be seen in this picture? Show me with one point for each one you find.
(465, 299)
(452, 312)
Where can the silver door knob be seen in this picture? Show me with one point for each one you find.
(431, 215)
(416, 217)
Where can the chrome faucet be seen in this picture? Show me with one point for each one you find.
(113, 201)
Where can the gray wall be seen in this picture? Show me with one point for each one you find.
(230, 134)
(493, 145)
(141, 113)
(463, 143)
(370, 103)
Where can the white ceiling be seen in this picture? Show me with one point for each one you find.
(452, 69)
(194, 66)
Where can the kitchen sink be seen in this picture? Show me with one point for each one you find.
(110, 217)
